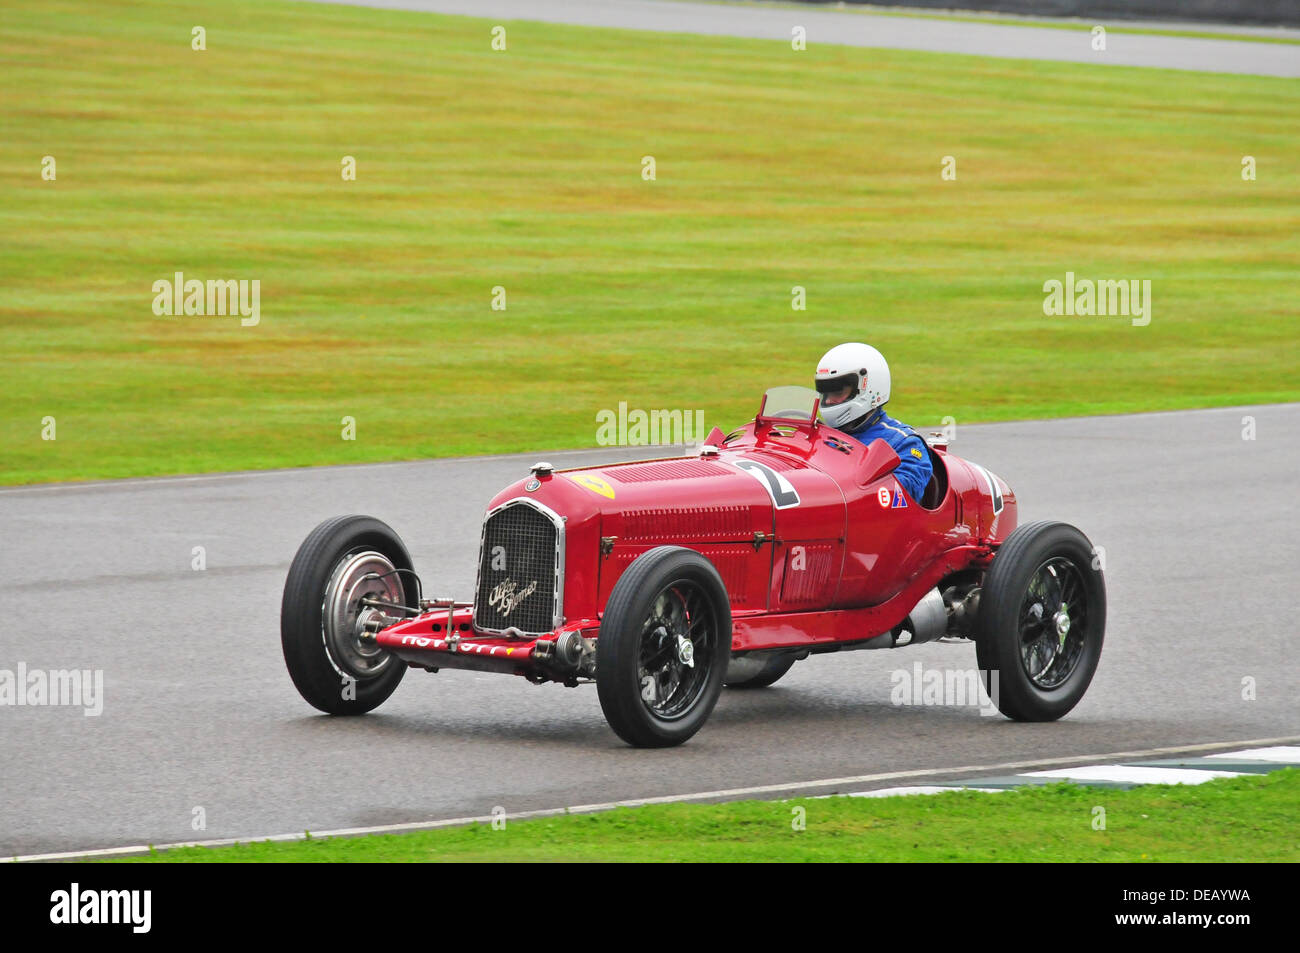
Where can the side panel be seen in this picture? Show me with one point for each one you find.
(709, 506)
(745, 571)
(756, 631)
(809, 550)
(890, 539)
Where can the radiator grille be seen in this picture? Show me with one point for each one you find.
(519, 571)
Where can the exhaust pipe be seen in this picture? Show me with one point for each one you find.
(927, 621)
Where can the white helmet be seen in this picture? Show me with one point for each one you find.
(856, 378)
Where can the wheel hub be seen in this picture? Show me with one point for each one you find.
(1062, 622)
(685, 651)
(358, 576)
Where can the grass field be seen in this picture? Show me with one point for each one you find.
(1245, 819)
(522, 169)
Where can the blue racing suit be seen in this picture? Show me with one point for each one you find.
(914, 468)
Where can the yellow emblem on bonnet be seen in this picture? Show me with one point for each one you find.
(593, 483)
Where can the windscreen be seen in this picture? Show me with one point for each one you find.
(794, 403)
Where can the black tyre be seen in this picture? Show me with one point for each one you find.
(663, 648)
(342, 561)
(1042, 618)
(753, 672)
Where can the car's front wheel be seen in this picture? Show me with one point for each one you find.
(349, 570)
(663, 648)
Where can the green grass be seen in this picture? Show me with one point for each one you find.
(522, 169)
(1250, 818)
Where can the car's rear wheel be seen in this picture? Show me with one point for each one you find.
(757, 672)
(663, 647)
(342, 568)
(1042, 618)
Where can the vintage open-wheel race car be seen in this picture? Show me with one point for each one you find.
(663, 580)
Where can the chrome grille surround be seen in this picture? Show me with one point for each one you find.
(511, 524)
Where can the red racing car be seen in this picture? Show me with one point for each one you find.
(663, 580)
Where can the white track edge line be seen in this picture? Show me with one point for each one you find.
(728, 793)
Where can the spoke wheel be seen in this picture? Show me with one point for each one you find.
(679, 647)
(1053, 623)
(663, 647)
(1042, 619)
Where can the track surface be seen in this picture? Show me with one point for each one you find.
(902, 33)
(199, 711)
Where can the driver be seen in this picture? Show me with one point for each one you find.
(853, 383)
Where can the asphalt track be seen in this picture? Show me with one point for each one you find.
(894, 32)
(1201, 551)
